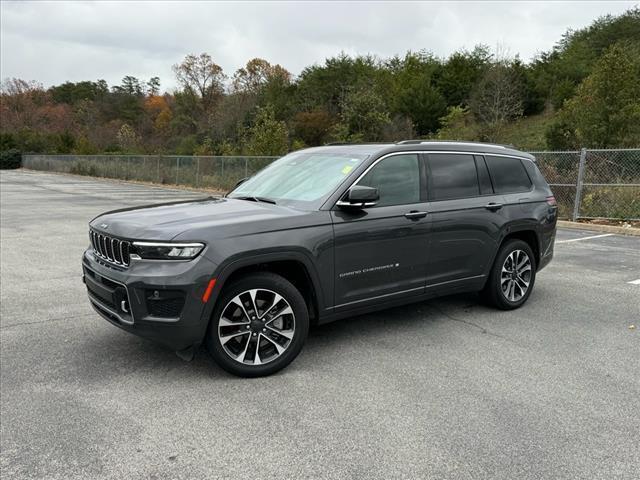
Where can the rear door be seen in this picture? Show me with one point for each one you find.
(381, 252)
(465, 219)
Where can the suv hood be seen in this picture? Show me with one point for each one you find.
(164, 222)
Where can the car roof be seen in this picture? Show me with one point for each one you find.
(379, 149)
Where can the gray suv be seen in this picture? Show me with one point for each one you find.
(322, 234)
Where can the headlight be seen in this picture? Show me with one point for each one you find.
(166, 251)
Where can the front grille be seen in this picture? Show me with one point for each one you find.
(109, 248)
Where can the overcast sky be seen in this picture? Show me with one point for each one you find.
(52, 42)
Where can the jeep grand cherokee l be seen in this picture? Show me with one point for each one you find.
(321, 234)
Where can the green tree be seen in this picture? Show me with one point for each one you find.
(605, 111)
(458, 124)
(267, 135)
(363, 118)
(153, 86)
(325, 86)
(460, 73)
(129, 86)
(557, 73)
(73, 93)
(413, 91)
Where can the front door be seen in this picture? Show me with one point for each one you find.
(381, 251)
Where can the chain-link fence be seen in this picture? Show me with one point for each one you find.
(217, 173)
(586, 183)
(594, 183)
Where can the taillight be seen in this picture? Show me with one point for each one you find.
(552, 201)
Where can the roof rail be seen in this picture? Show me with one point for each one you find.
(452, 142)
(332, 144)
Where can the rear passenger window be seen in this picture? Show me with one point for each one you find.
(452, 176)
(508, 174)
(483, 177)
(397, 179)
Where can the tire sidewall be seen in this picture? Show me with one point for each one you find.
(266, 281)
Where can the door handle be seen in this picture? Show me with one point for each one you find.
(414, 215)
(493, 206)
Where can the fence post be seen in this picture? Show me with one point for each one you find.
(177, 168)
(576, 205)
(158, 168)
(246, 167)
(198, 172)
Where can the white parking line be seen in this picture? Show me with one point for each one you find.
(585, 238)
(635, 282)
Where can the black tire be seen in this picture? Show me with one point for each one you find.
(266, 282)
(493, 292)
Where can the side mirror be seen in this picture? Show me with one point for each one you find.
(359, 196)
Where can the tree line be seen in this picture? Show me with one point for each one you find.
(584, 92)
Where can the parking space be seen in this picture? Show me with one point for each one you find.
(442, 389)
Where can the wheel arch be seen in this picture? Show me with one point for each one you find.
(294, 266)
(525, 232)
(530, 237)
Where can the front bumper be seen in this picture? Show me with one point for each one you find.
(158, 300)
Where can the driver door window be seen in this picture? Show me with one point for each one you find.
(397, 179)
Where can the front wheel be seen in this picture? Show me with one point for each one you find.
(512, 276)
(259, 325)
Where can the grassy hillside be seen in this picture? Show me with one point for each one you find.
(527, 133)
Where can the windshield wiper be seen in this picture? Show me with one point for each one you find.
(257, 199)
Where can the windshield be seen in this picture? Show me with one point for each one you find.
(299, 179)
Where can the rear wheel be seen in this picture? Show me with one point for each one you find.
(259, 325)
(512, 276)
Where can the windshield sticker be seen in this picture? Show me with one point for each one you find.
(347, 169)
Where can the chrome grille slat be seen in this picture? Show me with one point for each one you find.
(115, 248)
(109, 248)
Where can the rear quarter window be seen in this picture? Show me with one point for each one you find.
(508, 174)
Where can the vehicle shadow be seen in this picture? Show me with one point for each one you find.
(117, 353)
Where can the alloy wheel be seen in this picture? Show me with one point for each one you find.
(515, 276)
(256, 327)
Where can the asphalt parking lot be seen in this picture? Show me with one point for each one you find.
(443, 389)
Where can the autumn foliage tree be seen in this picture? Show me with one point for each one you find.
(201, 76)
(583, 92)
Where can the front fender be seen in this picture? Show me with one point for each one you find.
(241, 260)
